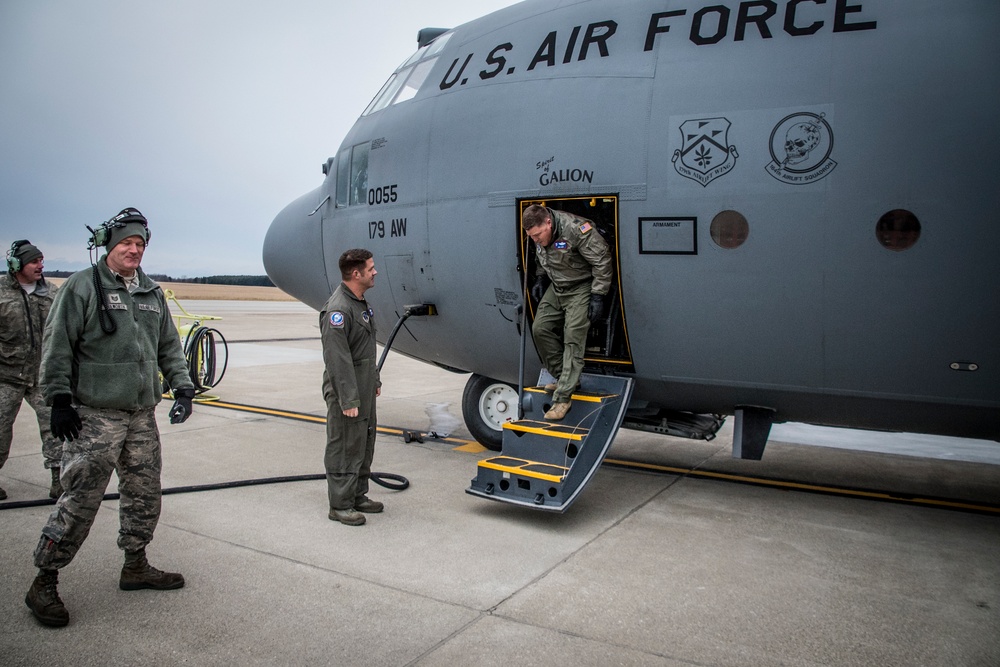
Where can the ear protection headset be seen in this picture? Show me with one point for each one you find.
(102, 235)
(13, 262)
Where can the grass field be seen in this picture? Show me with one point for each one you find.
(216, 292)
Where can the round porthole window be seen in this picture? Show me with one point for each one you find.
(729, 229)
(898, 230)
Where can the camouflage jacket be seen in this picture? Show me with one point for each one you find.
(22, 321)
(117, 370)
(577, 253)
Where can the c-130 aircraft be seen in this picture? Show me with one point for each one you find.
(801, 199)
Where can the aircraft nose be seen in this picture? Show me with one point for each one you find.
(293, 251)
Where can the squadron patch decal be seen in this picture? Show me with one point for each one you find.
(561, 244)
(337, 319)
(705, 153)
(800, 149)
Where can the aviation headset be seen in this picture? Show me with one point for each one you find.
(14, 263)
(102, 235)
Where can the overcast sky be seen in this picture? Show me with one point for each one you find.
(207, 115)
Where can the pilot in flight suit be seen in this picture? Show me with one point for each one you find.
(350, 385)
(577, 261)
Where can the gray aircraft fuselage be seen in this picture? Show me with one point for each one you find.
(802, 197)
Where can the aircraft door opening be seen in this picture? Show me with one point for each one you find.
(608, 349)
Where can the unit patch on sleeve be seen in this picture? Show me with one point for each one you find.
(337, 319)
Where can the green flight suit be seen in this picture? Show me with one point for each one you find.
(350, 380)
(578, 262)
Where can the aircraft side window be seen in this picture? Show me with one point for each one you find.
(898, 230)
(359, 173)
(343, 176)
(729, 229)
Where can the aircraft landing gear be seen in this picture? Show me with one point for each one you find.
(486, 405)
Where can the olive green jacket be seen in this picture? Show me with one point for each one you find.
(577, 253)
(117, 370)
(22, 321)
(347, 330)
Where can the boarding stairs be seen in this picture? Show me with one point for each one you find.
(545, 464)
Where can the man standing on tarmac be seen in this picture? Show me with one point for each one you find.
(25, 299)
(108, 334)
(575, 259)
(350, 385)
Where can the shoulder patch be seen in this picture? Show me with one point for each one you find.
(585, 227)
(337, 319)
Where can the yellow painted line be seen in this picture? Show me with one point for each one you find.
(472, 448)
(301, 416)
(466, 445)
(799, 486)
(519, 470)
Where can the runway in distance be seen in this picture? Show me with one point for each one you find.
(801, 196)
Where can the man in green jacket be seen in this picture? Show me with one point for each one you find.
(576, 261)
(25, 299)
(350, 385)
(109, 333)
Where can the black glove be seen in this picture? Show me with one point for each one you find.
(65, 421)
(538, 289)
(596, 307)
(182, 406)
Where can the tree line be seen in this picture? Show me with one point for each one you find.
(243, 281)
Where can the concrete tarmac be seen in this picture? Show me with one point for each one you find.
(672, 564)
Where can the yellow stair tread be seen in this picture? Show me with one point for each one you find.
(517, 466)
(577, 396)
(551, 429)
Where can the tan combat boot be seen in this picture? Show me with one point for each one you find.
(558, 411)
(348, 517)
(367, 505)
(56, 489)
(43, 600)
(137, 573)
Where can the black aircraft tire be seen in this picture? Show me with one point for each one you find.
(486, 404)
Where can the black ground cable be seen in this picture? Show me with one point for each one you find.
(108, 324)
(377, 477)
(194, 338)
(204, 338)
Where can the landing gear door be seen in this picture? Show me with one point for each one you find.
(608, 348)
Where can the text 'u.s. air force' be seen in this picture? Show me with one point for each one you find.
(705, 26)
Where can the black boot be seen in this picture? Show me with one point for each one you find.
(138, 573)
(56, 489)
(43, 600)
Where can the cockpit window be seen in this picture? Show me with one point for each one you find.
(343, 176)
(352, 175)
(406, 81)
(359, 173)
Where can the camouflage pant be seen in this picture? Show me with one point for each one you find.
(11, 396)
(123, 440)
